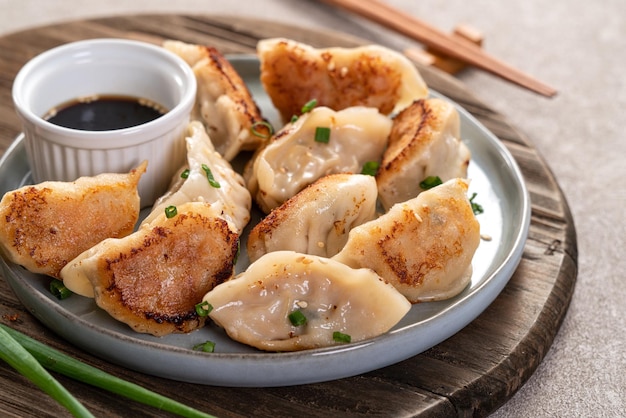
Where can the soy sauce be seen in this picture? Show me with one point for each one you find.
(105, 113)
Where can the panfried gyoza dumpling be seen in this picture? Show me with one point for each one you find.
(317, 220)
(255, 307)
(293, 73)
(43, 227)
(152, 279)
(424, 247)
(223, 104)
(425, 141)
(225, 191)
(293, 158)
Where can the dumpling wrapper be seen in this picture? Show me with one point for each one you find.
(425, 140)
(318, 219)
(254, 307)
(223, 104)
(44, 226)
(423, 247)
(293, 73)
(152, 279)
(232, 197)
(293, 159)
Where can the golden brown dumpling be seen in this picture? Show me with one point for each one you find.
(425, 140)
(294, 73)
(424, 247)
(224, 104)
(43, 227)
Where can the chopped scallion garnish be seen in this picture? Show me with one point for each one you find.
(209, 175)
(308, 106)
(370, 168)
(207, 347)
(185, 173)
(322, 134)
(58, 289)
(203, 308)
(294, 118)
(297, 318)
(259, 127)
(170, 212)
(476, 208)
(430, 182)
(341, 337)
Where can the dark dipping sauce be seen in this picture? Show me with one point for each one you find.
(105, 113)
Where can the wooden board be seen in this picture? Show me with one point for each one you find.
(470, 374)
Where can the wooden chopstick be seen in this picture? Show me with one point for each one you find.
(381, 13)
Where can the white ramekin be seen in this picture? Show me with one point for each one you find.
(105, 67)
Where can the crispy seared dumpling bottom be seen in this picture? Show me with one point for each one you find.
(152, 279)
(424, 246)
(293, 73)
(44, 226)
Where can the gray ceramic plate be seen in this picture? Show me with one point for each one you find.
(500, 190)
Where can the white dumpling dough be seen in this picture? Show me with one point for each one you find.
(424, 247)
(318, 219)
(231, 198)
(294, 159)
(254, 307)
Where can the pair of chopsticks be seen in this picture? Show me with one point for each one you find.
(463, 50)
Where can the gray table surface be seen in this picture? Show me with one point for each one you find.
(577, 46)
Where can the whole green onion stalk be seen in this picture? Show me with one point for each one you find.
(24, 362)
(28, 356)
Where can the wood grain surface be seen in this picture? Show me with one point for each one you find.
(470, 374)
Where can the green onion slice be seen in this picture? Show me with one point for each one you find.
(430, 182)
(203, 308)
(297, 318)
(308, 106)
(170, 212)
(207, 347)
(185, 174)
(257, 129)
(370, 168)
(58, 289)
(476, 208)
(322, 134)
(209, 175)
(341, 337)
(294, 118)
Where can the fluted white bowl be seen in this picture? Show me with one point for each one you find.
(105, 67)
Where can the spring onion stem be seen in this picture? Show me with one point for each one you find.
(24, 362)
(70, 367)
